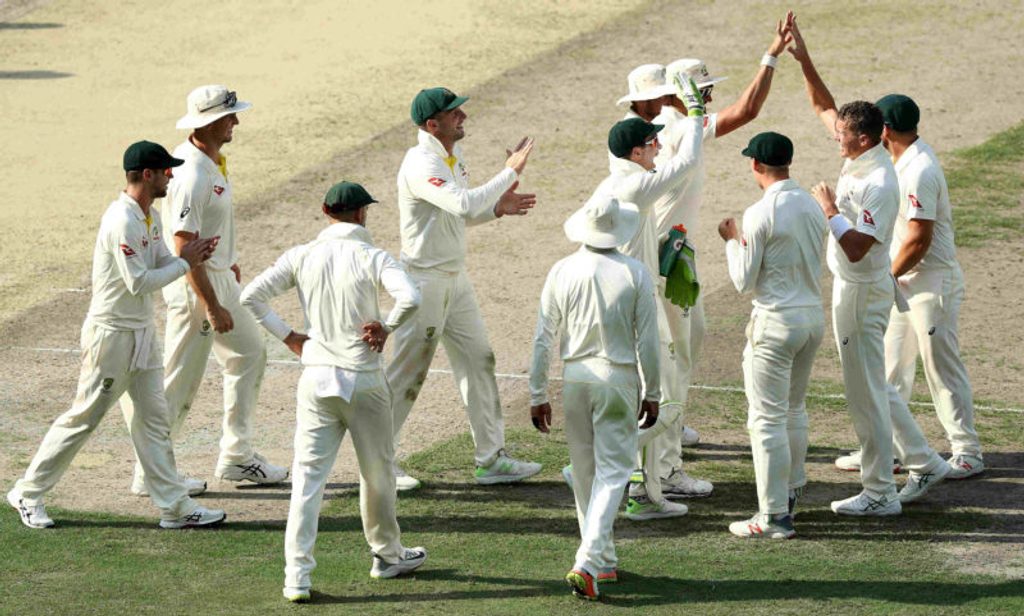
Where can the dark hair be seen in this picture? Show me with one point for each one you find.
(863, 118)
(134, 176)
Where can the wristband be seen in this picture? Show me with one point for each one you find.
(839, 226)
(769, 60)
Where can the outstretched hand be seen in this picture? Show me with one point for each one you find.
(783, 35)
(517, 158)
(797, 47)
(512, 203)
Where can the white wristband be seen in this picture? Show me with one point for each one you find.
(839, 226)
(769, 60)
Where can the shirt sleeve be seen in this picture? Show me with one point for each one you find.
(401, 287)
(273, 281)
(187, 202)
(745, 256)
(923, 195)
(429, 179)
(549, 319)
(126, 245)
(646, 323)
(164, 256)
(677, 169)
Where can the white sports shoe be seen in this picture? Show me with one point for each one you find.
(193, 485)
(412, 558)
(964, 465)
(690, 437)
(640, 508)
(851, 462)
(864, 505)
(505, 469)
(918, 484)
(200, 516)
(567, 475)
(764, 526)
(33, 516)
(296, 595)
(404, 482)
(680, 485)
(256, 470)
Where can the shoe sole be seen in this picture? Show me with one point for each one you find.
(868, 514)
(578, 590)
(262, 482)
(896, 469)
(680, 495)
(642, 517)
(297, 598)
(397, 570)
(968, 474)
(169, 525)
(408, 488)
(489, 481)
(773, 535)
(17, 507)
(193, 492)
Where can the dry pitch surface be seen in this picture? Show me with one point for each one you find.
(331, 87)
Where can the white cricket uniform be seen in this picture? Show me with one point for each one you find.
(120, 354)
(631, 183)
(779, 259)
(435, 203)
(682, 332)
(342, 387)
(603, 302)
(199, 200)
(934, 289)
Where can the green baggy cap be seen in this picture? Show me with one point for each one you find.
(771, 149)
(899, 112)
(148, 155)
(432, 100)
(346, 197)
(630, 133)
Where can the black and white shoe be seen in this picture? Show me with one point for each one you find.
(864, 505)
(33, 516)
(201, 516)
(256, 470)
(412, 558)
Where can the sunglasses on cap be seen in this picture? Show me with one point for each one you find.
(652, 141)
(706, 92)
(229, 101)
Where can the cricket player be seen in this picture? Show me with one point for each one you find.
(603, 302)
(778, 257)
(682, 331)
(435, 203)
(634, 179)
(342, 387)
(120, 353)
(862, 212)
(203, 309)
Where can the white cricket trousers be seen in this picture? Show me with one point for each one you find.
(240, 352)
(601, 402)
(114, 362)
(860, 314)
(321, 423)
(449, 313)
(777, 361)
(931, 329)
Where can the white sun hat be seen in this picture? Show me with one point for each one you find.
(646, 82)
(693, 69)
(603, 222)
(206, 104)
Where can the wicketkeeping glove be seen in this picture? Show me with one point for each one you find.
(688, 93)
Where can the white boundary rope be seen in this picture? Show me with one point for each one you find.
(523, 377)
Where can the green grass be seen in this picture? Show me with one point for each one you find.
(503, 550)
(986, 186)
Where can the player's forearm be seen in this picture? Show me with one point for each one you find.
(200, 283)
(749, 104)
(856, 245)
(821, 99)
(910, 254)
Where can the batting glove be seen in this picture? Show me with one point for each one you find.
(688, 93)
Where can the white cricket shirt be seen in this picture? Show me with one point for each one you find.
(338, 275)
(925, 196)
(199, 201)
(129, 263)
(779, 258)
(603, 302)
(435, 203)
(681, 204)
(868, 195)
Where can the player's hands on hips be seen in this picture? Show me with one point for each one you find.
(783, 35)
(294, 342)
(688, 93)
(512, 203)
(540, 415)
(728, 230)
(797, 47)
(826, 198)
(375, 335)
(238, 273)
(648, 414)
(517, 158)
(221, 319)
(198, 250)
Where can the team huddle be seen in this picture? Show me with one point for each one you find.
(626, 308)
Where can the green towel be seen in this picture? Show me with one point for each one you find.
(678, 264)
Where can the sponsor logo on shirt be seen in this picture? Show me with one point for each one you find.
(462, 170)
(127, 250)
(145, 242)
(914, 202)
(436, 182)
(185, 210)
(205, 329)
(218, 189)
(107, 384)
(868, 220)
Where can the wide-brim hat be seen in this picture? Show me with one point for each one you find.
(207, 104)
(603, 222)
(691, 68)
(646, 82)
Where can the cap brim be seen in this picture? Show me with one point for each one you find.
(653, 93)
(746, 152)
(628, 223)
(459, 100)
(189, 121)
(175, 162)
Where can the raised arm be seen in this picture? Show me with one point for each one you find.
(821, 99)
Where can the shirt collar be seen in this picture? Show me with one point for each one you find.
(347, 231)
(132, 205)
(624, 166)
(779, 186)
(910, 154)
(867, 161)
(432, 144)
